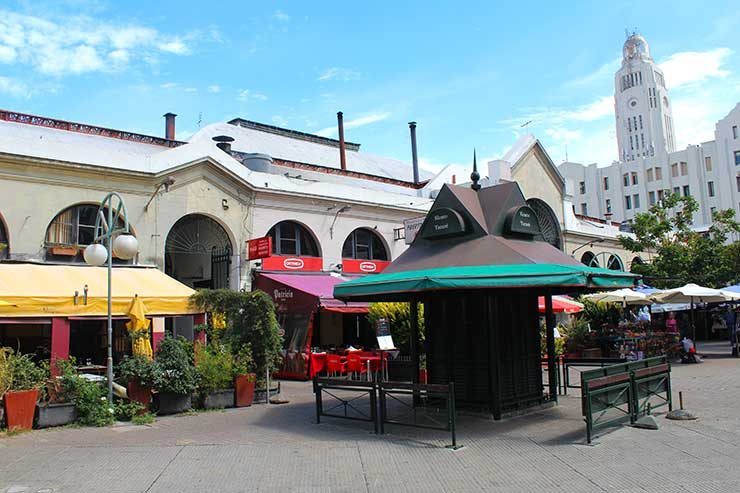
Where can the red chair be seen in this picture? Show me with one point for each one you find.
(335, 365)
(354, 364)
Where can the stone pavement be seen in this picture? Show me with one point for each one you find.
(280, 448)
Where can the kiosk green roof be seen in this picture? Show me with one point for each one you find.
(481, 239)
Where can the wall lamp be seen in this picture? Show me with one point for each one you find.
(166, 184)
(336, 215)
(588, 243)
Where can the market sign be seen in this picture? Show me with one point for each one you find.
(364, 266)
(411, 228)
(522, 220)
(441, 223)
(259, 248)
(305, 264)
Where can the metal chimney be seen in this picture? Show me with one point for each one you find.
(414, 157)
(169, 126)
(342, 150)
(223, 142)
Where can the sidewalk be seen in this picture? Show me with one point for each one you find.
(279, 448)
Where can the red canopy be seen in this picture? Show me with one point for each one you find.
(561, 304)
(316, 289)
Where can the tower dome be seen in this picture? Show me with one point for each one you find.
(636, 47)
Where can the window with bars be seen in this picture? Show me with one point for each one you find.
(364, 244)
(74, 226)
(291, 238)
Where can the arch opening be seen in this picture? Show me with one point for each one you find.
(364, 244)
(548, 222)
(292, 238)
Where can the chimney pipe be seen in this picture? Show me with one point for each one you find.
(223, 142)
(342, 150)
(414, 158)
(169, 126)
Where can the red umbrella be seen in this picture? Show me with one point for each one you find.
(561, 304)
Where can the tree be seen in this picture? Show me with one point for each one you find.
(683, 255)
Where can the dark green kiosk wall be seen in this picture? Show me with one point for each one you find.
(488, 343)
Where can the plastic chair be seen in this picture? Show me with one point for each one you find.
(354, 364)
(334, 364)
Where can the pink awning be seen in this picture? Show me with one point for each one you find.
(320, 286)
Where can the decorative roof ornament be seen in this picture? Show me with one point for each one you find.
(475, 176)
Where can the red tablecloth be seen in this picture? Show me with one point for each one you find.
(374, 362)
(318, 364)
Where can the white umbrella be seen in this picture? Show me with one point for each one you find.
(623, 296)
(693, 293)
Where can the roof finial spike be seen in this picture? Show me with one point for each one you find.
(475, 176)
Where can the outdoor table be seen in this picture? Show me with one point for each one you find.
(373, 364)
(318, 364)
(92, 369)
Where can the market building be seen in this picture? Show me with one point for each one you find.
(649, 166)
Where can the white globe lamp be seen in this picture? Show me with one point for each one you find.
(95, 254)
(125, 246)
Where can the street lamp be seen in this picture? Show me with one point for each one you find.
(119, 242)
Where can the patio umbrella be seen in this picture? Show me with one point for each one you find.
(693, 293)
(624, 296)
(138, 328)
(561, 304)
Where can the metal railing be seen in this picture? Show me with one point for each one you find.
(569, 363)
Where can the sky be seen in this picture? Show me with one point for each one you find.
(470, 73)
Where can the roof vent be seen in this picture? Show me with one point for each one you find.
(223, 142)
(261, 163)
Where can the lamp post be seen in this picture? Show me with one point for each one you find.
(124, 245)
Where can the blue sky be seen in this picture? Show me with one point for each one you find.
(470, 73)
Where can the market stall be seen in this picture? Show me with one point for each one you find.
(479, 264)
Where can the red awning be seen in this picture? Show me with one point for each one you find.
(561, 304)
(320, 286)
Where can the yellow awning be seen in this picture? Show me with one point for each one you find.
(36, 290)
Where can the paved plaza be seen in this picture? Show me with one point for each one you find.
(280, 448)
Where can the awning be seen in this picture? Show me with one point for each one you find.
(38, 290)
(484, 276)
(560, 304)
(320, 287)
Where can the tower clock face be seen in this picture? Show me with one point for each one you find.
(632, 103)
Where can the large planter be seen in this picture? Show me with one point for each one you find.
(219, 399)
(140, 393)
(244, 389)
(56, 415)
(260, 395)
(170, 403)
(20, 407)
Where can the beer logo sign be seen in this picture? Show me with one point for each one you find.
(293, 263)
(368, 267)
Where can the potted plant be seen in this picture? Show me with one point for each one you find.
(215, 376)
(56, 407)
(4, 379)
(244, 378)
(137, 373)
(20, 399)
(175, 377)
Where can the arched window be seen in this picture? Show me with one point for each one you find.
(548, 222)
(291, 238)
(589, 259)
(364, 244)
(71, 230)
(614, 263)
(4, 243)
(635, 262)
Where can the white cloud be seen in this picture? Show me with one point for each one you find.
(77, 45)
(690, 67)
(169, 85)
(604, 72)
(596, 110)
(215, 88)
(14, 88)
(281, 16)
(245, 95)
(279, 121)
(339, 73)
(191, 89)
(357, 122)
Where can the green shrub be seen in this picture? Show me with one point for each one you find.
(23, 372)
(5, 378)
(243, 361)
(398, 315)
(126, 410)
(174, 370)
(136, 367)
(215, 368)
(143, 419)
(92, 406)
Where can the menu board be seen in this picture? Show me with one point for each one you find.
(383, 334)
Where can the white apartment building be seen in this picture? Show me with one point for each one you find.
(649, 167)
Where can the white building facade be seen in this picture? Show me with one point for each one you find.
(649, 167)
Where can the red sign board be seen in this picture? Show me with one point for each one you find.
(306, 264)
(259, 248)
(364, 266)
